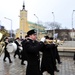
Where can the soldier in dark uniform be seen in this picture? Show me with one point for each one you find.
(32, 49)
(17, 52)
(48, 61)
(23, 52)
(57, 57)
(55, 54)
(6, 53)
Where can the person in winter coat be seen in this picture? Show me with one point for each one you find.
(32, 49)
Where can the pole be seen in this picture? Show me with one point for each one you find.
(53, 23)
(37, 23)
(72, 23)
(11, 25)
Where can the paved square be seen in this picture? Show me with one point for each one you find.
(66, 68)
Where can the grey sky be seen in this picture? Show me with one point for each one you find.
(42, 8)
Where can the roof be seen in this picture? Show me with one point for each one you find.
(35, 24)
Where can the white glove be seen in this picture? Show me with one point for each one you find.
(43, 39)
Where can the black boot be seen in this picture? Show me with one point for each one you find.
(59, 62)
(22, 62)
(10, 61)
(57, 70)
(4, 60)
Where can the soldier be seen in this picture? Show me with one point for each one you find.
(55, 54)
(6, 53)
(17, 52)
(48, 60)
(32, 48)
(23, 52)
(57, 57)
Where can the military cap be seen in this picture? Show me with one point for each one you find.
(46, 37)
(30, 32)
(51, 38)
(17, 38)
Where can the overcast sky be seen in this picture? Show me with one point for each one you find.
(42, 8)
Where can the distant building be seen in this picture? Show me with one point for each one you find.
(63, 34)
(26, 25)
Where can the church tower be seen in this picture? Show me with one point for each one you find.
(23, 22)
(26, 25)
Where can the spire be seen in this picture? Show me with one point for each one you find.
(23, 5)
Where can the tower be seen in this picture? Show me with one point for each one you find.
(23, 22)
(26, 25)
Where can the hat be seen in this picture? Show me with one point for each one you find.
(51, 38)
(17, 38)
(30, 32)
(46, 37)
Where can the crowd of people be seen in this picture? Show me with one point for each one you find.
(30, 52)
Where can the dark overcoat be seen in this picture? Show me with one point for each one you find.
(5, 50)
(57, 54)
(23, 52)
(32, 49)
(48, 59)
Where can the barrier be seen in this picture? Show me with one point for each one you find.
(66, 51)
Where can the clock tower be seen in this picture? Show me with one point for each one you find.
(23, 22)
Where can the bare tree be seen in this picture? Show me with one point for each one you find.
(53, 25)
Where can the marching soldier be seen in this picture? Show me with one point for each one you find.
(55, 54)
(6, 53)
(57, 57)
(17, 52)
(32, 49)
(48, 61)
(23, 52)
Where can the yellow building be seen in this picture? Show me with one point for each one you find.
(25, 25)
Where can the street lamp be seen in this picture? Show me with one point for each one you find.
(53, 23)
(72, 23)
(11, 24)
(37, 24)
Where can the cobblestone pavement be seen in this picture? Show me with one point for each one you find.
(66, 68)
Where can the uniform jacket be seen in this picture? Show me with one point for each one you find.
(32, 49)
(23, 52)
(48, 59)
(5, 50)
